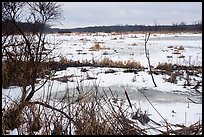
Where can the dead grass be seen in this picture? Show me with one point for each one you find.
(19, 72)
(82, 112)
(13, 75)
(107, 62)
(165, 66)
(98, 47)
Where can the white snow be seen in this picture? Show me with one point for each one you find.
(121, 48)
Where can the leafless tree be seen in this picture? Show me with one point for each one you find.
(25, 51)
(148, 58)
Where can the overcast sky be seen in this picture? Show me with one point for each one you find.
(83, 14)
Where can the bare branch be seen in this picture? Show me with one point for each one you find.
(148, 59)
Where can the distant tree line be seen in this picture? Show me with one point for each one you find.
(35, 27)
(131, 28)
(8, 27)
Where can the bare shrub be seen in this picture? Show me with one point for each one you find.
(165, 66)
(24, 54)
(12, 118)
(13, 74)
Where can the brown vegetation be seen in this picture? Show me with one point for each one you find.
(165, 66)
(98, 47)
(89, 113)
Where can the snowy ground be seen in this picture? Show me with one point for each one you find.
(131, 47)
(165, 97)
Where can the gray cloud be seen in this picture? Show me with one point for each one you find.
(82, 14)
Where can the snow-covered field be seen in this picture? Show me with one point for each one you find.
(166, 97)
(131, 47)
